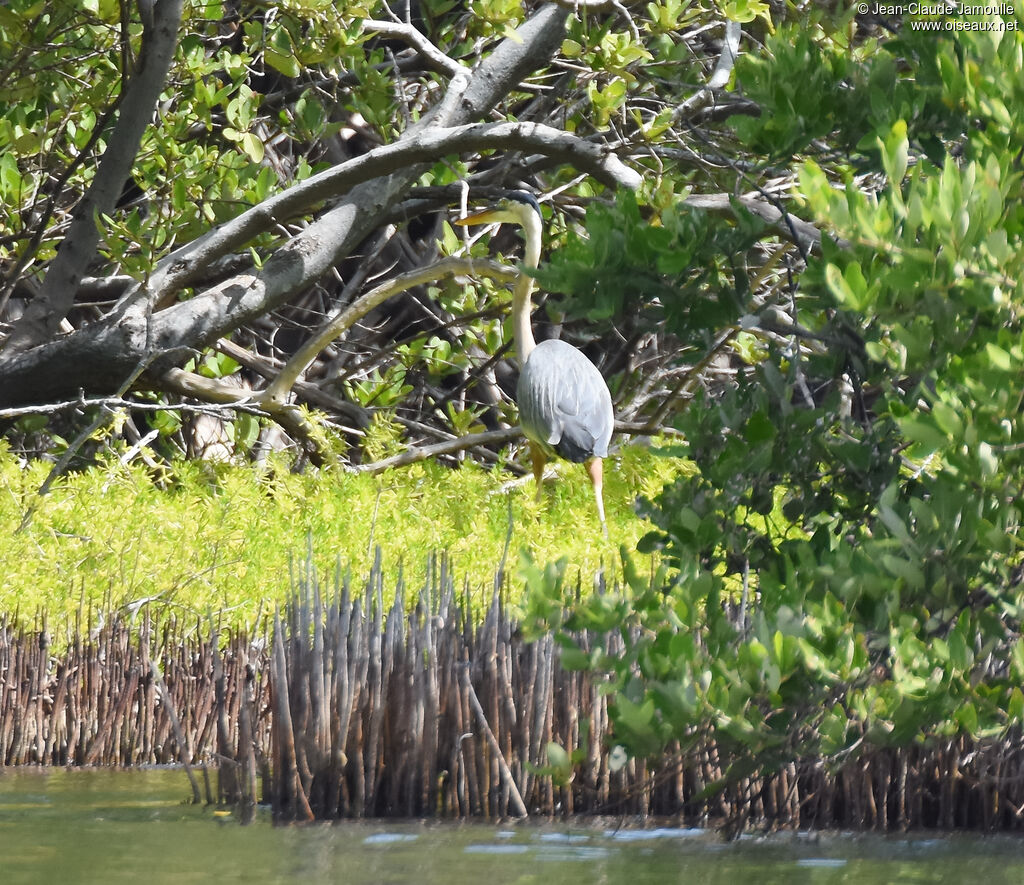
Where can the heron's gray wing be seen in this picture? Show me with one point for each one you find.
(564, 403)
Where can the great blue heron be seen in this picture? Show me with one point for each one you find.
(564, 404)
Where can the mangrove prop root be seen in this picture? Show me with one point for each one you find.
(435, 707)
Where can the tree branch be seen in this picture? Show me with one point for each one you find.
(289, 416)
(803, 234)
(415, 454)
(418, 41)
(44, 313)
(720, 75)
(277, 393)
(304, 259)
(106, 352)
(182, 267)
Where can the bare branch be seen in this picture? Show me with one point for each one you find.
(719, 77)
(647, 428)
(418, 41)
(306, 391)
(182, 267)
(117, 402)
(211, 390)
(803, 234)
(289, 416)
(415, 454)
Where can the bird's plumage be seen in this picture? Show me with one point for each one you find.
(564, 403)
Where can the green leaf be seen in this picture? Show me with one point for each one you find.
(10, 177)
(246, 431)
(253, 147)
(902, 568)
(557, 757)
(746, 10)
(924, 432)
(998, 357)
(636, 717)
(574, 659)
(1015, 707)
(286, 64)
(894, 154)
(850, 288)
(759, 428)
(967, 716)
(947, 418)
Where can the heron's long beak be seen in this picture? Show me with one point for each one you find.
(482, 217)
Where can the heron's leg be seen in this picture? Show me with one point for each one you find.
(595, 467)
(539, 459)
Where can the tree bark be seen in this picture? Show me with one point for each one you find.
(185, 265)
(43, 316)
(100, 356)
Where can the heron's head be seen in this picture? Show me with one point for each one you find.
(515, 207)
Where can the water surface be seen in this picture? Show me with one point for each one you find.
(138, 826)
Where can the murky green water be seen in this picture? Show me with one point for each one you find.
(98, 826)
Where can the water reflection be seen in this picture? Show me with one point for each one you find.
(92, 826)
(389, 838)
(821, 862)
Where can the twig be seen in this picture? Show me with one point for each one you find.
(418, 41)
(646, 428)
(117, 402)
(719, 77)
(448, 447)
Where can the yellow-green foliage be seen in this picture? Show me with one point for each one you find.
(221, 538)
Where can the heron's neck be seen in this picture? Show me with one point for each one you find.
(525, 342)
(521, 304)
